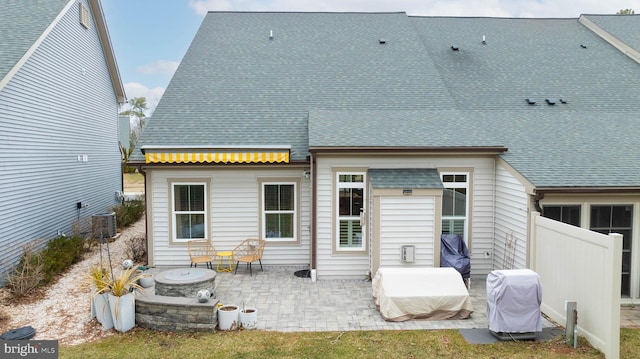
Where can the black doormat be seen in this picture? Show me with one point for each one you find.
(484, 336)
(303, 273)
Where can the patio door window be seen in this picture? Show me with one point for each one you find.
(616, 219)
(350, 207)
(455, 203)
(189, 211)
(569, 214)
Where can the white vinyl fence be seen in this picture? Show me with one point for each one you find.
(579, 265)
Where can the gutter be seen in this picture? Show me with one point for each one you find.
(436, 149)
(144, 148)
(591, 190)
(542, 191)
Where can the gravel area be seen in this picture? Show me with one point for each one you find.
(63, 312)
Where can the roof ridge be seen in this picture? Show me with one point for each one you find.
(303, 12)
(492, 17)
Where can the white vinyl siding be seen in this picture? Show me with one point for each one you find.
(59, 105)
(511, 219)
(407, 221)
(331, 265)
(234, 215)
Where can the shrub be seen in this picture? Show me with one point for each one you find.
(60, 254)
(136, 249)
(129, 212)
(39, 268)
(28, 274)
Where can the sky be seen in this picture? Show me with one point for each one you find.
(150, 37)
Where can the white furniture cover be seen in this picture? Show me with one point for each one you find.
(513, 301)
(421, 293)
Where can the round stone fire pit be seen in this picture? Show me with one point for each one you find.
(184, 282)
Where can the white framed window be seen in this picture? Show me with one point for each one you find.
(279, 211)
(350, 204)
(455, 203)
(189, 211)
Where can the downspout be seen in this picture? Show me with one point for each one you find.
(314, 220)
(146, 211)
(493, 243)
(536, 201)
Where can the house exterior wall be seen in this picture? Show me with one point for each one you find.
(59, 105)
(234, 213)
(511, 219)
(345, 265)
(406, 220)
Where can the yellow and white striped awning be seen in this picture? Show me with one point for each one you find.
(240, 156)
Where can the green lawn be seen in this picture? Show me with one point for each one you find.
(140, 343)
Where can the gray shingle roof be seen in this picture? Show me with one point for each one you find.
(538, 58)
(325, 74)
(567, 148)
(410, 178)
(397, 128)
(236, 86)
(623, 27)
(21, 24)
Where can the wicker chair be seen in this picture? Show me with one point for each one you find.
(249, 251)
(201, 251)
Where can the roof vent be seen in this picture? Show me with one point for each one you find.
(562, 101)
(454, 48)
(484, 40)
(551, 101)
(531, 100)
(84, 16)
(583, 46)
(382, 41)
(270, 34)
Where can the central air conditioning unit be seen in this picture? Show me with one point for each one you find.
(104, 225)
(408, 254)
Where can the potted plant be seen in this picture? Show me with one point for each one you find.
(100, 309)
(228, 317)
(122, 298)
(146, 279)
(248, 317)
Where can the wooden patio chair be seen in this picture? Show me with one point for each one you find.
(249, 251)
(201, 251)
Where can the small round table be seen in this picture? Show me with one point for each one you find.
(221, 266)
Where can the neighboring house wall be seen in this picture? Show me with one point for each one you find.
(234, 213)
(511, 220)
(340, 265)
(58, 106)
